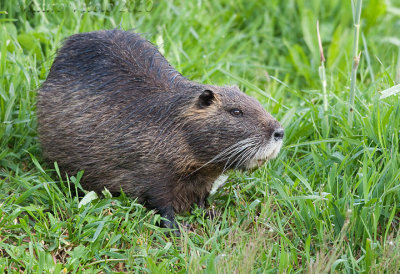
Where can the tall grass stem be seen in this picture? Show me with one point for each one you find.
(356, 58)
(322, 73)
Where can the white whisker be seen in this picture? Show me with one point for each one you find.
(246, 156)
(230, 152)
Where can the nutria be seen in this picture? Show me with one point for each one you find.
(114, 107)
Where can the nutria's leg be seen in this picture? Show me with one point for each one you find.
(203, 204)
(167, 212)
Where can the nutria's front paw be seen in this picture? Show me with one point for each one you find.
(212, 213)
(209, 211)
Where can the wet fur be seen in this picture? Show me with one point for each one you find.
(114, 107)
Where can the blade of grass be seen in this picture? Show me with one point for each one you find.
(390, 91)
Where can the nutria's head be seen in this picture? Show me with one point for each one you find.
(229, 129)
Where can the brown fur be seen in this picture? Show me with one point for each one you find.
(114, 107)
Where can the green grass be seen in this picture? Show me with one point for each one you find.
(330, 201)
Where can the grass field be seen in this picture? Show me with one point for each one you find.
(329, 202)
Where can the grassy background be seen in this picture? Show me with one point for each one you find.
(330, 201)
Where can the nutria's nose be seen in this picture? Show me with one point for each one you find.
(278, 134)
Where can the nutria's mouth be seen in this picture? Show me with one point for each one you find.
(267, 153)
(261, 162)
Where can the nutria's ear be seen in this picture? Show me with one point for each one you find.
(206, 98)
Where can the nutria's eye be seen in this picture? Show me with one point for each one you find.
(236, 112)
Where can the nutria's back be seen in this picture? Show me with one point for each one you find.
(114, 107)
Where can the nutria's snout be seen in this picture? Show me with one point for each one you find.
(267, 149)
(278, 134)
